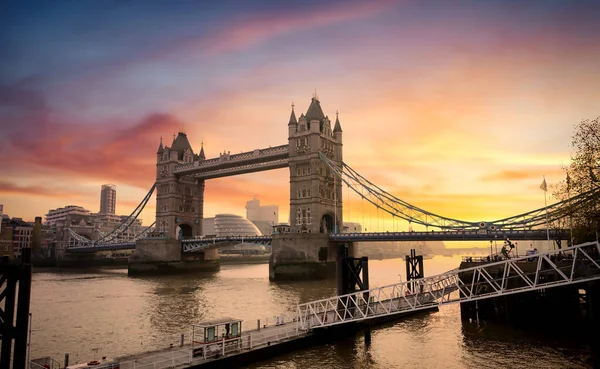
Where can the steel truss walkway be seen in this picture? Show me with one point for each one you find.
(580, 263)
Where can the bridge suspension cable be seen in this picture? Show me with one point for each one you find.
(122, 228)
(401, 209)
(130, 220)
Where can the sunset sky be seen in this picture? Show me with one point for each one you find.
(456, 107)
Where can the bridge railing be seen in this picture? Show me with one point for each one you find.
(166, 359)
(474, 283)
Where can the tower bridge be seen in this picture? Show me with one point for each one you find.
(317, 172)
(181, 175)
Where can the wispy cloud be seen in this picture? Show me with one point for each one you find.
(524, 174)
(11, 189)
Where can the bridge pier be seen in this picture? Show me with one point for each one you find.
(165, 256)
(304, 256)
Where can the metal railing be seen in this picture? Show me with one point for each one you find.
(165, 359)
(475, 283)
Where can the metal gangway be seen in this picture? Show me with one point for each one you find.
(575, 264)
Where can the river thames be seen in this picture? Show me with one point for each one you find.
(103, 312)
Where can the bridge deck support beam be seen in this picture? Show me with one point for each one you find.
(165, 256)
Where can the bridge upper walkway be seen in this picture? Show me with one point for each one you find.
(579, 263)
(233, 164)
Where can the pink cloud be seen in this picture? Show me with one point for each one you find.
(250, 30)
(39, 139)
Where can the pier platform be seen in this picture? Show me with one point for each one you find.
(260, 344)
(253, 344)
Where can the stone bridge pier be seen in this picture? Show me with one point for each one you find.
(165, 256)
(304, 256)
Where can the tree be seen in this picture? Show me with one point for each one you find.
(582, 175)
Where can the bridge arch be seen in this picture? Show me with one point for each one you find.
(184, 231)
(327, 223)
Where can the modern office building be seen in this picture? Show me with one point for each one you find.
(229, 225)
(263, 216)
(108, 199)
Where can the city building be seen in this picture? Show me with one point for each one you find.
(6, 238)
(351, 227)
(263, 216)
(21, 235)
(281, 228)
(56, 217)
(105, 223)
(90, 225)
(108, 199)
(229, 225)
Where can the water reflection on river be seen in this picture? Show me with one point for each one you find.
(105, 313)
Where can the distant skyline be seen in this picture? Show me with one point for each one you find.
(457, 108)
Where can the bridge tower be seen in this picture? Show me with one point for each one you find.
(179, 211)
(315, 192)
(315, 199)
(179, 199)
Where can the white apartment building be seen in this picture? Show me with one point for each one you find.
(58, 216)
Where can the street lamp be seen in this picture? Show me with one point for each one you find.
(496, 244)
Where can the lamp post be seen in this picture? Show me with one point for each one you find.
(496, 244)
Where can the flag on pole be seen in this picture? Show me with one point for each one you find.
(543, 186)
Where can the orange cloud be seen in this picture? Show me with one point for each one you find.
(511, 175)
(11, 189)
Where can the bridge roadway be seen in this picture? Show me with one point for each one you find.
(205, 243)
(580, 263)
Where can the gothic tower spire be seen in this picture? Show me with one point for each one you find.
(338, 126)
(201, 155)
(160, 147)
(292, 117)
